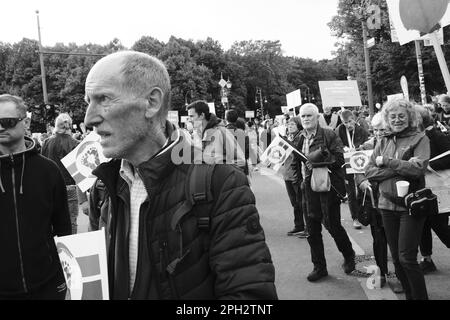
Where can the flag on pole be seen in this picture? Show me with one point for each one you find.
(83, 260)
(83, 159)
(357, 161)
(276, 154)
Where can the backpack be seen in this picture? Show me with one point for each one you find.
(198, 194)
(197, 190)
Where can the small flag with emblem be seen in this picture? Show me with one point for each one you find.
(83, 260)
(357, 161)
(83, 159)
(276, 154)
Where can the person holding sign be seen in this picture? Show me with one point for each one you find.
(324, 151)
(352, 136)
(401, 158)
(33, 207)
(175, 229)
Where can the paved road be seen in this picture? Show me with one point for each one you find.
(291, 255)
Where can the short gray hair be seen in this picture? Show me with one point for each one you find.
(141, 72)
(18, 101)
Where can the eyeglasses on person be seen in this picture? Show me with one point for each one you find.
(9, 123)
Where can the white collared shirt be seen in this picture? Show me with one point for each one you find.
(138, 195)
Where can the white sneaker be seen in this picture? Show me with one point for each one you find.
(356, 224)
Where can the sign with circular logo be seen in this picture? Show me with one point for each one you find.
(72, 271)
(276, 154)
(88, 157)
(359, 161)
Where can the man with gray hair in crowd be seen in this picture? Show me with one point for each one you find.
(175, 230)
(57, 147)
(324, 151)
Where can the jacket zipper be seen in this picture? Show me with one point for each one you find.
(17, 226)
(169, 274)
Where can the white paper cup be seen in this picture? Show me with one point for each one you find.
(402, 188)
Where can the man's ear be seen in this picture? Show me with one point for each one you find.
(155, 102)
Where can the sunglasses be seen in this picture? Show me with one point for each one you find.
(9, 123)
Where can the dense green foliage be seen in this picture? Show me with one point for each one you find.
(194, 68)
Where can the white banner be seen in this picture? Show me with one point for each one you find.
(250, 114)
(294, 99)
(84, 262)
(212, 107)
(396, 96)
(83, 159)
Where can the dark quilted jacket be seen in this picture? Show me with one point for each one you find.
(230, 261)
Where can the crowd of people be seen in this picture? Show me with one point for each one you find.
(190, 229)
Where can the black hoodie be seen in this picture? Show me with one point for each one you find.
(33, 209)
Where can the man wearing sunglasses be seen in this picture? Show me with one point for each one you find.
(33, 209)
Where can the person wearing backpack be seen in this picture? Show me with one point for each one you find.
(174, 229)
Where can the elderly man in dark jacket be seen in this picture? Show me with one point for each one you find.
(324, 151)
(156, 246)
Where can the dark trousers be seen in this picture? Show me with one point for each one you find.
(324, 208)
(353, 203)
(295, 196)
(379, 243)
(54, 289)
(439, 224)
(403, 234)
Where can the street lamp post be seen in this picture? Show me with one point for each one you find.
(225, 91)
(41, 60)
(259, 93)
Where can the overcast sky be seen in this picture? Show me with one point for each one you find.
(300, 25)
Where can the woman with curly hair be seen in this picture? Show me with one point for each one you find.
(401, 155)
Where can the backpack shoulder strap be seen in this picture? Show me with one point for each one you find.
(198, 192)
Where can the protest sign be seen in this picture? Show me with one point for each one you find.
(212, 107)
(250, 114)
(83, 159)
(396, 96)
(341, 93)
(276, 154)
(84, 263)
(294, 99)
(357, 161)
(172, 116)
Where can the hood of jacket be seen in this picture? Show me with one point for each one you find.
(213, 122)
(18, 159)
